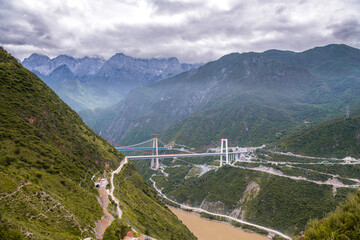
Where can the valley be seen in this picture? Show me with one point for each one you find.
(292, 155)
(233, 192)
(251, 98)
(179, 120)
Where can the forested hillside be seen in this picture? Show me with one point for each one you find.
(343, 223)
(251, 98)
(280, 196)
(49, 160)
(339, 138)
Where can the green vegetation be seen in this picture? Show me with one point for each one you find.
(285, 158)
(49, 160)
(117, 230)
(294, 171)
(343, 223)
(209, 124)
(277, 237)
(250, 164)
(48, 156)
(346, 171)
(7, 232)
(339, 138)
(213, 217)
(244, 226)
(250, 98)
(276, 202)
(143, 211)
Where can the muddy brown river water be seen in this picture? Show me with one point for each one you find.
(208, 230)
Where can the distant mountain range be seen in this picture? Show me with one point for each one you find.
(251, 98)
(95, 82)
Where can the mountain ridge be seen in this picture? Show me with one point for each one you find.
(98, 82)
(269, 82)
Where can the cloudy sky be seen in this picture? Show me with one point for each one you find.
(192, 30)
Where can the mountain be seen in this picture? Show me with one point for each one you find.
(49, 162)
(39, 63)
(79, 67)
(95, 82)
(343, 223)
(251, 98)
(338, 138)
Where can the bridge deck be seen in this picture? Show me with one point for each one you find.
(141, 149)
(181, 155)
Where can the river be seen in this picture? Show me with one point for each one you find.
(209, 230)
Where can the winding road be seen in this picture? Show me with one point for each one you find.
(118, 210)
(106, 219)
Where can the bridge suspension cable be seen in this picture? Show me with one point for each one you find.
(137, 150)
(206, 147)
(161, 142)
(196, 150)
(137, 144)
(113, 143)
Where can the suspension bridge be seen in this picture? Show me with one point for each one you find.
(217, 148)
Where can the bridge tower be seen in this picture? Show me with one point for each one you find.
(224, 141)
(154, 161)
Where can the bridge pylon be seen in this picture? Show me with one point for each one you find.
(155, 161)
(224, 141)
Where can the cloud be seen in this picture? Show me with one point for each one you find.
(346, 30)
(192, 30)
(174, 7)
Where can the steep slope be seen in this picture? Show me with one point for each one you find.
(46, 152)
(339, 138)
(253, 98)
(88, 83)
(343, 223)
(150, 215)
(49, 160)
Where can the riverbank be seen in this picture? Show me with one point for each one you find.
(200, 210)
(211, 230)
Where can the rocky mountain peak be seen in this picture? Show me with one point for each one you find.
(104, 81)
(39, 63)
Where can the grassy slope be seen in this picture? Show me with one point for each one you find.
(47, 158)
(143, 211)
(343, 223)
(46, 151)
(339, 138)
